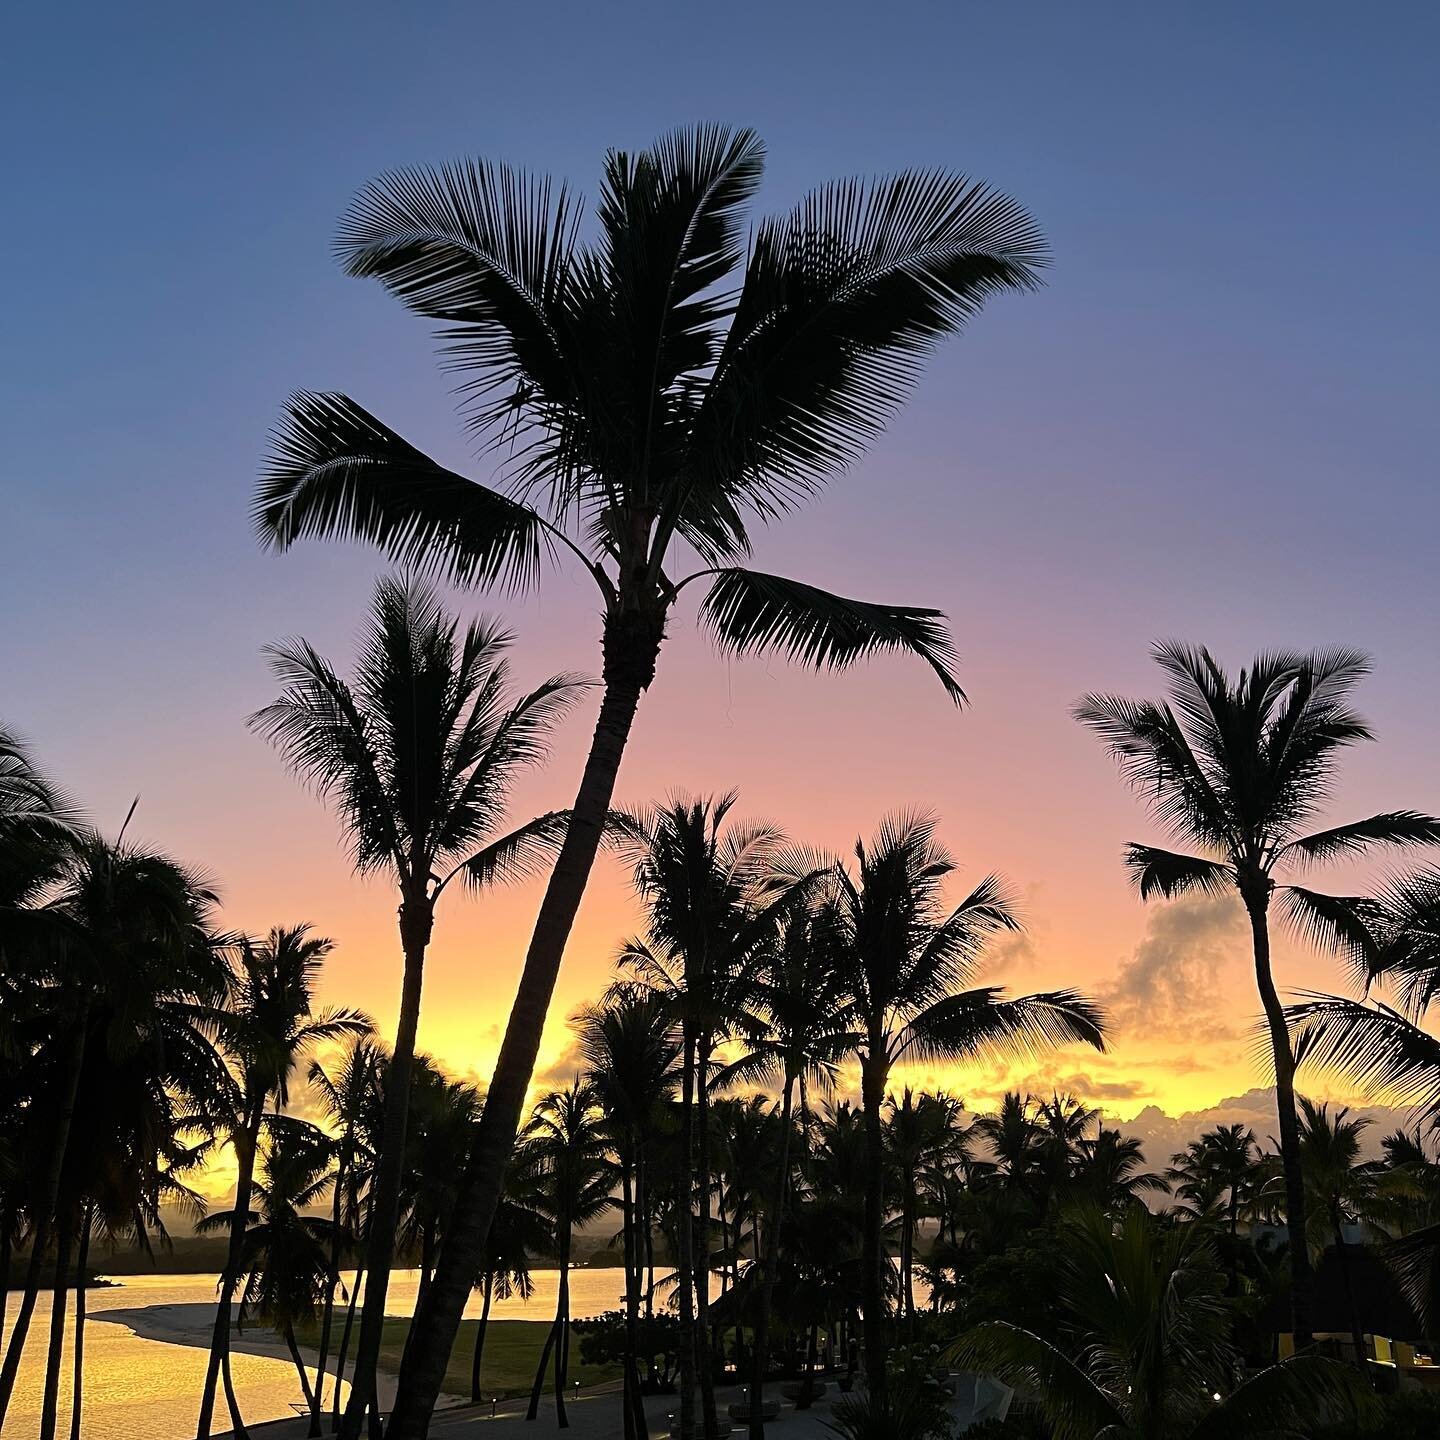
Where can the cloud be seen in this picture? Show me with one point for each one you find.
(1178, 982)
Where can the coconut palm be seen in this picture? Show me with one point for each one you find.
(1217, 1172)
(1151, 1357)
(124, 972)
(270, 1025)
(519, 1230)
(1240, 769)
(805, 1028)
(567, 1147)
(629, 1044)
(418, 754)
(285, 1251)
(713, 895)
(664, 385)
(1109, 1171)
(906, 960)
(347, 1094)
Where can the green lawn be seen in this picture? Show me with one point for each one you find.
(512, 1351)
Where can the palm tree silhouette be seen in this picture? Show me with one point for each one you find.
(269, 1025)
(666, 384)
(566, 1154)
(1240, 769)
(418, 754)
(905, 960)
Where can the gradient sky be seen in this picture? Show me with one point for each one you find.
(1218, 422)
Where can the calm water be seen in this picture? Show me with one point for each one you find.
(143, 1387)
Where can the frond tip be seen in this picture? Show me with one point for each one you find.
(747, 611)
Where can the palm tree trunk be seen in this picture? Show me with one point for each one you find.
(873, 1293)
(488, 1291)
(7, 1249)
(685, 1241)
(77, 1383)
(305, 1391)
(246, 1140)
(416, 919)
(237, 1421)
(634, 1406)
(704, 1357)
(632, 643)
(562, 1339)
(1357, 1333)
(538, 1386)
(328, 1315)
(769, 1262)
(1302, 1288)
(44, 1208)
(50, 1404)
(343, 1352)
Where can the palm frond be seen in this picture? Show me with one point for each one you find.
(337, 472)
(1168, 874)
(521, 855)
(1393, 827)
(1346, 925)
(1373, 1046)
(747, 611)
(982, 1022)
(1290, 1399)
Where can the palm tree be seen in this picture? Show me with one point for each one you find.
(1240, 769)
(352, 1103)
(418, 753)
(346, 1098)
(270, 1025)
(1110, 1172)
(1217, 1171)
(1151, 1355)
(566, 1145)
(713, 896)
(518, 1231)
(285, 1252)
(125, 972)
(629, 1045)
(905, 960)
(665, 384)
(805, 1027)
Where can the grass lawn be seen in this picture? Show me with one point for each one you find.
(512, 1351)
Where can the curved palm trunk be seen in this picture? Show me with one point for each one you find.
(760, 1361)
(538, 1386)
(343, 1353)
(704, 1357)
(634, 1406)
(60, 1289)
(299, 1360)
(7, 1248)
(562, 1335)
(873, 1294)
(77, 1383)
(45, 1203)
(632, 642)
(327, 1318)
(685, 1241)
(246, 1141)
(488, 1292)
(416, 917)
(1302, 1288)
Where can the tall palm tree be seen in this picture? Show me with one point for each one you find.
(270, 1025)
(125, 969)
(568, 1150)
(713, 894)
(418, 753)
(805, 1027)
(629, 1044)
(353, 1105)
(1240, 769)
(285, 1251)
(1217, 1170)
(665, 384)
(1110, 1171)
(346, 1097)
(1151, 1355)
(906, 960)
(519, 1230)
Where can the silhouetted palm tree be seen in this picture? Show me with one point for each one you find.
(630, 1044)
(124, 971)
(1217, 1171)
(418, 753)
(1241, 769)
(566, 1153)
(905, 960)
(666, 383)
(518, 1231)
(269, 1026)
